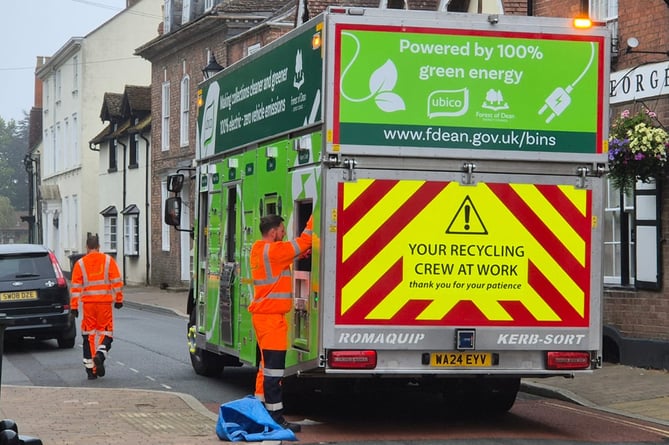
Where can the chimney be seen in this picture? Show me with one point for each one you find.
(35, 117)
(130, 3)
(41, 60)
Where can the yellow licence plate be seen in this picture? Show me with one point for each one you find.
(18, 296)
(461, 359)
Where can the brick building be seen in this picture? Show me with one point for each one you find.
(636, 302)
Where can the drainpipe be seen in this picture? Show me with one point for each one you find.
(125, 170)
(147, 210)
(38, 202)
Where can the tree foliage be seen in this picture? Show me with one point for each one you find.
(7, 214)
(13, 149)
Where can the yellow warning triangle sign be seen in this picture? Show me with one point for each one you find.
(467, 220)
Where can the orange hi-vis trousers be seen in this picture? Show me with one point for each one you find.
(97, 329)
(272, 334)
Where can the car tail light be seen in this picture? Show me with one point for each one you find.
(567, 360)
(60, 278)
(352, 359)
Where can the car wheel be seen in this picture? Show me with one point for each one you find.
(66, 340)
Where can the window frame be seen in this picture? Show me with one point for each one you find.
(184, 114)
(109, 229)
(131, 230)
(111, 155)
(165, 117)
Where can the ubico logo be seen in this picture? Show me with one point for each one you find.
(446, 102)
(536, 339)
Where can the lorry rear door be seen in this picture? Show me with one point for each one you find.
(496, 271)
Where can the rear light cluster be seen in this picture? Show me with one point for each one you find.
(352, 359)
(60, 278)
(567, 360)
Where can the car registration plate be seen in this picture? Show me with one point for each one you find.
(18, 296)
(461, 359)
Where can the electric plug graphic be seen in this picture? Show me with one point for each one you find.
(557, 102)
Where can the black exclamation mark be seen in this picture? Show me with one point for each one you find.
(467, 208)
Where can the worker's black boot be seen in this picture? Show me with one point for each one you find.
(294, 427)
(91, 374)
(99, 361)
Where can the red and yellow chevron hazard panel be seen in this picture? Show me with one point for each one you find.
(412, 252)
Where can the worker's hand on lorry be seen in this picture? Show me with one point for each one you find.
(305, 254)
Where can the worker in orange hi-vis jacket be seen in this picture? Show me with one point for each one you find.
(271, 260)
(97, 283)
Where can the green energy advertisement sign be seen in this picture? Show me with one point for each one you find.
(468, 89)
(277, 92)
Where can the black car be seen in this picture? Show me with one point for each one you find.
(34, 295)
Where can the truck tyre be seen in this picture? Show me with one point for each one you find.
(204, 362)
(499, 394)
(492, 396)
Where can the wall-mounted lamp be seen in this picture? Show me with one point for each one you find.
(212, 67)
(633, 42)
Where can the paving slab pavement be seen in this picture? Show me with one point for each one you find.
(60, 416)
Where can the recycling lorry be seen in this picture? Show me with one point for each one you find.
(453, 164)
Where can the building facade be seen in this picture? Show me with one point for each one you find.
(74, 80)
(636, 302)
(124, 146)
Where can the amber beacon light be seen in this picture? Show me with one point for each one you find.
(582, 23)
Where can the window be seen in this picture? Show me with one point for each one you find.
(165, 130)
(75, 141)
(54, 150)
(185, 110)
(74, 216)
(133, 157)
(131, 230)
(59, 84)
(632, 237)
(185, 12)
(68, 136)
(109, 232)
(165, 228)
(58, 162)
(607, 11)
(75, 74)
(47, 92)
(65, 233)
(619, 258)
(167, 19)
(252, 48)
(604, 10)
(208, 4)
(112, 154)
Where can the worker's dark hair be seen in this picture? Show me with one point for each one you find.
(92, 242)
(269, 222)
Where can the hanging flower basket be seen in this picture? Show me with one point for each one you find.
(637, 150)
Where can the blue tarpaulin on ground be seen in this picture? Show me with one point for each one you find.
(247, 420)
